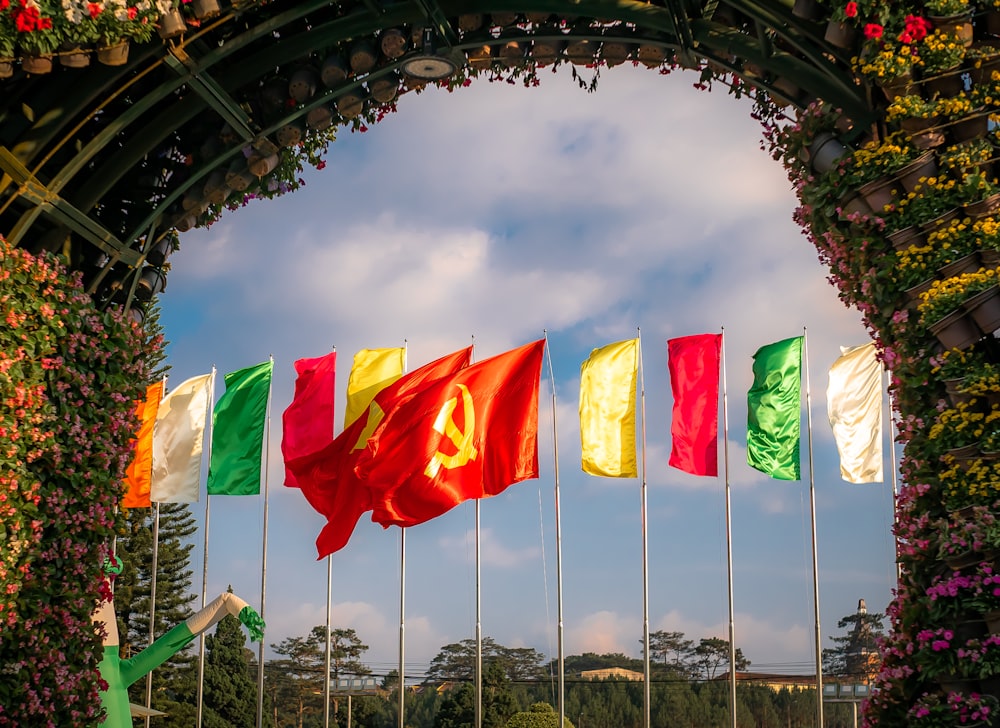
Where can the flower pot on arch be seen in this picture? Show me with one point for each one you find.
(956, 330)
(984, 307)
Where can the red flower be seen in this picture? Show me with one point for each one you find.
(132, 12)
(916, 28)
(873, 31)
(94, 9)
(851, 9)
(4, 4)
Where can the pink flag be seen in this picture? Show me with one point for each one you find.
(694, 381)
(307, 424)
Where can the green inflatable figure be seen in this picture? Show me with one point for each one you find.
(119, 674)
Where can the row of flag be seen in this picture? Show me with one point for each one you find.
(416, 444)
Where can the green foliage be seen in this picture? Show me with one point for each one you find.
(68, 377)
(539, 715)
(457, 661)
(230, 678)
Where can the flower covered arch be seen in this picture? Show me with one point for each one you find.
(125, 123)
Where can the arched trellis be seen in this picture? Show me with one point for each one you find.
(166, 135)
(892, 105)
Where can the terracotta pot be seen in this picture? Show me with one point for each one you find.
(943, 219)
(945, 84)
(923, 132)
(840, 35)
(951, 390)
(808, 10)
(320, 118)
(171, 24)
(907, 237)
(955, 330)
(36, 64)
(984, 308)
(959, 25)
(205, 9)
(880, 193)
(913, 293)
(855, 205)
(993, 621)
(6, 67)
(973, 126)
(302, 84)
(392, 42)
(984, 207)
(991, 22)
(238, 176)
(75, 57)
(923, 166)
(113, 55)
(333, 71)
(900, 86)
(966, 264)
(991, 258)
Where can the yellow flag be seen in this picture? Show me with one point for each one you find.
(373, 370)
(607, 410)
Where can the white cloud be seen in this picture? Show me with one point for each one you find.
(492, 551)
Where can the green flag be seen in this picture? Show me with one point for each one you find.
(238, 432)
(774, 409)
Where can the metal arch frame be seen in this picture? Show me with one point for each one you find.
(65, 145)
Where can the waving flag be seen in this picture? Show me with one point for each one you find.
(178, 435)
(774, 409)
(470, 435)
(238, 432)
(607, 410)
(307, 423)
(373, 371)
(694, 381)
(139, 473)
(327, 478)
(854, 406)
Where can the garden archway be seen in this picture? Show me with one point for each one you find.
(102, 164)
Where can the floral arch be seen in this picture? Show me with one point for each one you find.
(124, 124)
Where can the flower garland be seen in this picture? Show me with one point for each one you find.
(68, 377)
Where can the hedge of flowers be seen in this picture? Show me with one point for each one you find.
(906, 215)
(68, 376)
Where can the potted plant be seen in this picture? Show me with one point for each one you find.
(934, 710)
(37, 38)
(939, 53)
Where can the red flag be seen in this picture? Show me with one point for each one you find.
(467, 436)
(307, 423)
(139, 473)
(694, 381)
(327, 478)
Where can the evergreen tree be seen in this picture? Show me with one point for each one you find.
(856, 654)
(230, 699)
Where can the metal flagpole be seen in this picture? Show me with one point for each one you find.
(263, 558)
(152, 585)
(559, 595)
(152, 605)
(645, 543)
(402, 600)
(729, 538)
(479, 631)
(204, 571)
(329, 621)
(812, 519)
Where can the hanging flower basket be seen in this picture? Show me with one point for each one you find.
(958, 25)
(6, 67)
(983, 208)
(933, 224)
(966, 264)
(824, 152)
(900, 86)
(973, 126)
(920, 168)
(840, 35)
(984, 308)
(205, 9)
(75, 57)
(36, 64)
(913, 293)
(880, 193)
(956, 330)
(115, 54)
(947, 84)
(808, 10)
(907, 237)
(171, 25)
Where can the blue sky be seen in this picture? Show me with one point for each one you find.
(497, 212)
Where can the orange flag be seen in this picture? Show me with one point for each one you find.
(326, 477)
(140, 470)
(467, 436)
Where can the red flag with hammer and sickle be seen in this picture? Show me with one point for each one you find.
(466, 436)
(326, 477)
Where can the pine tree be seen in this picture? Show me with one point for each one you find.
(230, 679)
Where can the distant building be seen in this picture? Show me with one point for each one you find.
(607, 672)
(774, 681)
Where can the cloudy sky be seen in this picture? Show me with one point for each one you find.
(498, 212)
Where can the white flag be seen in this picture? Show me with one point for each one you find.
(854, 405)
(177, 441)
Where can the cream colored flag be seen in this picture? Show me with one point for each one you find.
(854, 405)
(177, 441)
(373, 370)
(607, 410)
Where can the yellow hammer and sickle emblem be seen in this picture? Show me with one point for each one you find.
(445, 425)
